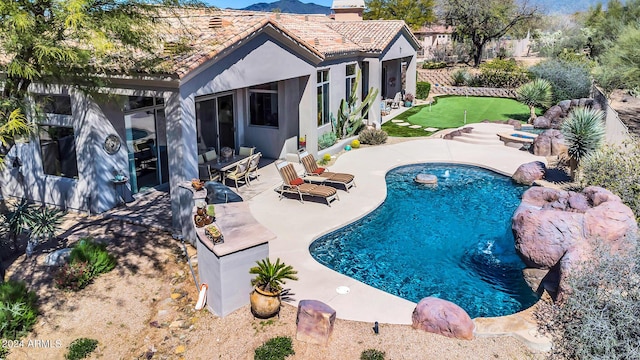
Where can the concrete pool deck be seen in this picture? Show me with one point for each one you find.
(297, 225)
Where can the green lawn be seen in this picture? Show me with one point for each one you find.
(448, 112)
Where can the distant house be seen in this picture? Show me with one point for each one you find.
(434, 39)
(230, 78)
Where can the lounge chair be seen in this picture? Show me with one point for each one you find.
(311, 169)
(293, 184)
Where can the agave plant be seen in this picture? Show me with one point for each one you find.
(583, 132)
(271, 276)
(535, 93)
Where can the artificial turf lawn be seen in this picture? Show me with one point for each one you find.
(448, 111)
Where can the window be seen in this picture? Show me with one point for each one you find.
(350, 79)
(54, 104)
(323, 97)
(263, 104)
(58, 149)
(137, 102)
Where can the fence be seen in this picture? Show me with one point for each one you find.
(616, 131)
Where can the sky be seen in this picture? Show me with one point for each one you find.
(239, 4)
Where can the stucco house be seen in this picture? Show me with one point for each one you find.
(231, 78)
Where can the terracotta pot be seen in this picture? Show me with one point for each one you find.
(264, 304)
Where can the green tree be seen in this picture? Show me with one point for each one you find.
(480, 22)
(583, 132)
(619, 65)
(415, 13)
(74, 42)
(607, 24)
(535, 93)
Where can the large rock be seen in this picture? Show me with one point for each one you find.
(314, 321)
(528, 173)
(58, 257)
(549, 143)
(442, 317)
(560, 229)
(554, 114)
(541, 122)
(542, 146)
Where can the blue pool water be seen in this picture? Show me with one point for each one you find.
(453, 241)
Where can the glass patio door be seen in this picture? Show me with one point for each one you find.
(216, 123)
(147, 146)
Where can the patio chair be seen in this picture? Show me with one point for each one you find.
(293, 184)
(248, 151)
(239, 173)
(205, 172)
(311, 169)
(395, 104)
(253, 167)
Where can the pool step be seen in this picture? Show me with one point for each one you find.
(483, 135)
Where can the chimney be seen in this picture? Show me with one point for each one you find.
(348, 10)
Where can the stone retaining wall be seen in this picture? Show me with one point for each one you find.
(473, 91)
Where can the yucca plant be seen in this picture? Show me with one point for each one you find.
(43, 223)
(460, 77)
(17, 221)
(583, 132)
(271, 276)
(535, 93)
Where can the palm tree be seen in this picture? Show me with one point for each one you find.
(535, 93)
(583, 132)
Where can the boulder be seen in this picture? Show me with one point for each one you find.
(314, 321)
(466, 130)
(517, 125)
(542, 146)
(557, 229)
(554, 113)
(442, 317)
(528, 173)
(541, 122)
(565, 105)
(58, 257)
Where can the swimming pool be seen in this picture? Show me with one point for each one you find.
(453, 241)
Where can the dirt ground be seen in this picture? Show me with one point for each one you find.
(143, 309)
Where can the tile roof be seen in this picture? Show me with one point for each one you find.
(318, 34)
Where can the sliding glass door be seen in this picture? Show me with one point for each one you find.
(216, 123)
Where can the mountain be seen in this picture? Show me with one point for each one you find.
(547, 6)
(566, 7)
(290, 6)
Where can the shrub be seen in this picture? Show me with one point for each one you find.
(18, 310)
(88, 260)
(73, 276)
(434, 65)
(598, 319)
(502, 73)
(570, 80)
(355, 143)
(422, 89)
(81, 348)
(583, 131)
(275, 349)
(460, 77)
(617, 169)
(372, 137)
(326, 140)
(372, 354)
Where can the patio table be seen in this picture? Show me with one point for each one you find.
(221, 164)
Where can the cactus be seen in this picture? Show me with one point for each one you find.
(349, 120)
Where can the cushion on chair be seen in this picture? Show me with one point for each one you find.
(319, 170)
(210, 155)
(201, 159)
(296, 182)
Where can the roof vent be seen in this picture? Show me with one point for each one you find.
(316, 41)
(215, 23)
(366, 39)
(278, 16)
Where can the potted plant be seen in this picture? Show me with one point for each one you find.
(267, 286)
(408, 99)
